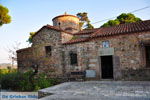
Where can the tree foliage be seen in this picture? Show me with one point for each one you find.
(30, 37)
(5, 18)
(84, 20)
(89, 26)
(122, 19)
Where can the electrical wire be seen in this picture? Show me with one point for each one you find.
(116, 16)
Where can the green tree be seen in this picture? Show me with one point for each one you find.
(5, 18)
(127, 18)
(89, 26)
(30, 37)
(122, 19)
(84, 20)
(111, 23)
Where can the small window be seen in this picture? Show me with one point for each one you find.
(105, 44)
(58, 23)
(73, 59)
(48, 50)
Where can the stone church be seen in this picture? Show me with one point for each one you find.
(120, 52)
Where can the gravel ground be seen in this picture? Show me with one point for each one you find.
(99, 90)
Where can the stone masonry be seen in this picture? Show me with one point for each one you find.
(126, 49)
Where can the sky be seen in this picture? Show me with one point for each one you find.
(30, 15)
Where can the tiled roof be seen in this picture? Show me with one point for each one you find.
(56, 28)
(52, 27)
(77, 41)
(128, 28)
(123, 28)
(86, 31)
(24, 49)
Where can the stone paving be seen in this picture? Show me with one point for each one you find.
(99, 90)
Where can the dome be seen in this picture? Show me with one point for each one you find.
(67, 22)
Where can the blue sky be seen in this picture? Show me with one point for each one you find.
(30, 15)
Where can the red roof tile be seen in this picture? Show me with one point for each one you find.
(56, 28)
(86, 31)
(123, 28)
(77, 41)
(114, 30)
(24, 49)
(52, 27)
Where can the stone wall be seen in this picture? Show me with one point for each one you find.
(66, 37)
(127, 55)
(49, 37)
(139, 74)
(86, 54)
(24, 59)
(51, 65)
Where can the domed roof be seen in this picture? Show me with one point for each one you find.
(65, 14)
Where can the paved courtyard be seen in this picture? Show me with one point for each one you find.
(99, 90)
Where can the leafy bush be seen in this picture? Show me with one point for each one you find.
(12, 80)
(20, 81)
(24, 83)
(5, 71)
(42, 82)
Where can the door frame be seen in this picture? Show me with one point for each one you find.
(145, 56)
(100, 67)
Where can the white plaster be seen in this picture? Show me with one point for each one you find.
(91, 65)
(93, 60)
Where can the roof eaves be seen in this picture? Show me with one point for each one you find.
(23, 49)
(52, 27)
(76, 41)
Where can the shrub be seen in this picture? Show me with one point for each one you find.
(5, 71)
(24, 83)
(42, 81)
(20, 81)
(7, 81)
(13, 81)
